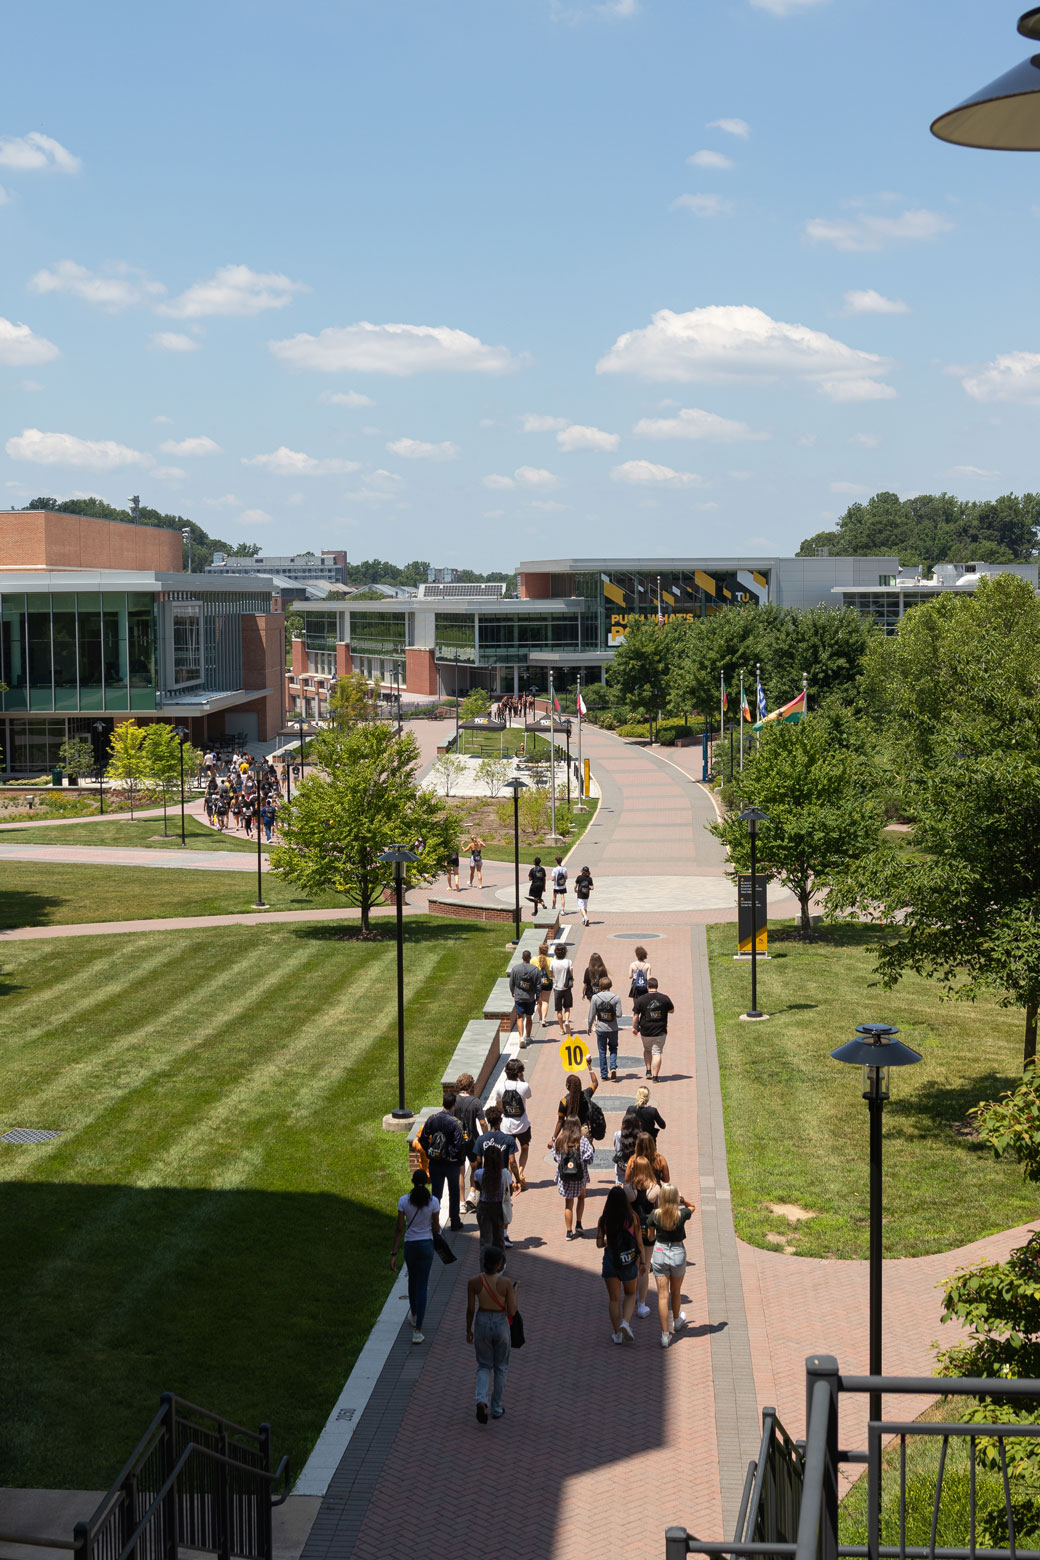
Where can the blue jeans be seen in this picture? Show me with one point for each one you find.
(418, 1259)
(442, 1170)
(491, 1342)
(606, 1039)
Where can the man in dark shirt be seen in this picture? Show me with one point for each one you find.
(650, 1021)
(503, 1140)
(441, 1142)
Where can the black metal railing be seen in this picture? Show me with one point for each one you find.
(194, 1481)
(789, 1505)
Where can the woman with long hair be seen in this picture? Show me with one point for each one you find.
(625, 1143)
(639, 1175)
(490, 1307)
(575, 1102)
(493, 1179)
(646, 1148)
(667, 1226)
(650, 1117)
(620, 1239)
(594, 972)
(573, 1153)
(418, 1223)
(545, 981)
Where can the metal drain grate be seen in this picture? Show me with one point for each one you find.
(28, 1135)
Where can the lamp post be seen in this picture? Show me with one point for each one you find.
(753, 816)
(876, 1052)
(516, 786)
(396, 856)
(181, 733)
(99, 727)
(300, 723)
(456, 698)
(1005, 115)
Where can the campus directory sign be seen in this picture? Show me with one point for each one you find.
(744, 913)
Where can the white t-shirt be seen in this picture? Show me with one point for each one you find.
(559, 879)
(513, 1124)
(418, 1222)
(559, 969)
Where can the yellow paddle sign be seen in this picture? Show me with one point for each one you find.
(574, 1054)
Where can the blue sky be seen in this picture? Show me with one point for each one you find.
(665, 276)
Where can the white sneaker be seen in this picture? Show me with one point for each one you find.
(642, 1310)
(680, 1322)
(418, 1337)
(626, 1328)
(617, 1337)
(666, 1339)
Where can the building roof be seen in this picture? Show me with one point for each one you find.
(39, 580)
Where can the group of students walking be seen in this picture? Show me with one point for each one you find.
(243, 795)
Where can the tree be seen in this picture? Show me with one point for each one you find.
(350, 701)
(475, 704)
(294, 629)
(824, 811)
(1011, 1125)
(162, 758)
(129, 762)
(935, 528)
(641, 668)
(962, 712)
(76, 756)
(448, 770)
(493, 772)
(363, 798)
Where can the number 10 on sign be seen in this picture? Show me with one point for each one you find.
(574, 1055)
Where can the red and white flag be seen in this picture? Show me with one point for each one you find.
(556, 704)
(582, 711)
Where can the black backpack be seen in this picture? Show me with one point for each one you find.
(570, 1165)
(512, 1102)
(597, 1122)
(438, 1145)
(529, 979)
(638, 982)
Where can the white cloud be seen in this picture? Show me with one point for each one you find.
(254, 517)
(783, 7)
(36, 151)
(725, 342)
(351, 398)
(1012, 376)
(857, 390)
(392, 349)
(168, 473)
(579, 437)
(691, 423)
(225, 501)
(869, 231)
(284, 462)
(973, 471)
(547, 505)
(234, 290)
(173, 341)
(30, 385)
(865, 441)
(806, 440)
(702, 205)
(534, 476)
(115, 286)
(493, 514)
(295, 499)
(737, 127)
(202, 445)
(867, 301)
(19, 347)
(497, 482)
(537, 422)
(851, 488)
(162, 418)
(64, 449)
(644, 473)
(708, 159)
(418, 449)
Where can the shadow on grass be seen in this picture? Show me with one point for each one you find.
(933, 1108)
(21, 907)
(417, 930)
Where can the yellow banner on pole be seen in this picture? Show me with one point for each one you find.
(585, 780)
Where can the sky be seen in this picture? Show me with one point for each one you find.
(488, 280)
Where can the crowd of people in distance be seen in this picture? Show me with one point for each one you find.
(242, 793)
(475, 1155)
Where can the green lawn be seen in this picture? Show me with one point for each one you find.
(796, 1124)
(141, 834)
(216, 1217)
(480, 815)
(57, 894)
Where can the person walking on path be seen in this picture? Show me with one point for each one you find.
(545, 982)
(268, 814)
(536, 893)
(594, 973)
(639, 1175)
(583, 886)
(573, 1151)
(418, 1223)
(512, 1093)
(575, 1102)
(559, 883)
(650, 1012)
(625, 1139)
(562, 971)
(647, 1149)
(453, 871)
(441, 1142)
(490, 1307)
(504, 1140)
(476, 860)
(620, 1239)
(492, 1179)
(650, 1119)
(524, 981)
(469, 1113)
(604, 1016)
(667, 1225)
(638, 974)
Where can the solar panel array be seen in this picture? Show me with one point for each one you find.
(484, 589)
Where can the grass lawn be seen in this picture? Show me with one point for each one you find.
(216, 1217)
(56, 894)
(479, 815)
(141, 834)
(796, 1125)
(492, 744)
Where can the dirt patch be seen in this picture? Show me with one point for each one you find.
(966, 1128)
(780, 1240)
(791, 1212)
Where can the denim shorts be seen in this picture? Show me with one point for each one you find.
(668, 1259)
(626, 1272)
(524, 1009)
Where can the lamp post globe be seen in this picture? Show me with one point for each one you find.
(1005, 115)
(754, 817)
(398, 856)
(516, 786)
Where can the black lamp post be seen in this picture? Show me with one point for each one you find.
(99, 728)
(181, 733)
(876, 1052)
(1004, 116)
(753, 816)
(516, 786)
(397, 856)
(300, 723)
(456, 698)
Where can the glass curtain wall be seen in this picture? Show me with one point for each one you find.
(455, 637)
(78, 651)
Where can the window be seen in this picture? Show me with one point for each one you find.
(187, 647)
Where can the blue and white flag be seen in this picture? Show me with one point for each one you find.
(761, 698)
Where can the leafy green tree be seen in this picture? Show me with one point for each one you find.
(448, 771)
(475, 704)
(1011, 1124)
(350, 701)
(494, 772)
(823, 810)
(935, 528)
(363, 798)
(162, 756)
(128, 764)
(76, 756)
(641, 669)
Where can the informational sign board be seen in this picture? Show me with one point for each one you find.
(585, 779)
(744, 913)
(574, 1054)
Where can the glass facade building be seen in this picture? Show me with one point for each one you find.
(78, 650)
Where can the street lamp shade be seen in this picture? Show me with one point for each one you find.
(397, 854)
(876, 1052)
(1005, 115)
(181, 733)
(516, 786)
(753, 816)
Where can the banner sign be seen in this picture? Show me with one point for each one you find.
(744, 913)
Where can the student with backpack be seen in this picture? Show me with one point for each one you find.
(525, 979)
(512, 1092)
(583, 886)
(536, 893)
(573, 1153)
(604, 1017)
(638, 974)
(559, 883)
(650, 1021)
(579, 1102)
(441, 1142)
(418, 1224)
(562, 972)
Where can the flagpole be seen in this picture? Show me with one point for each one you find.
(722, 705)
(581, 771)
(805, 693)
(741, 720)
(552, 755)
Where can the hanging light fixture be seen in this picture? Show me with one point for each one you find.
(1005, 116)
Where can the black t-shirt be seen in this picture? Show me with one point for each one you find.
(673, 1237)
(583, 885)
(537, 877)
(652, 1010)
(650, 1119)
(467, 1109)
(583, 1106)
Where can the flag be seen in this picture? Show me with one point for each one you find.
(745, 708)
(556, 704)
(793, 711)
(581, 704)
(761, 698)
(725, 695)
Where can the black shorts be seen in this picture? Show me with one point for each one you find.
(522, 1138)
(563, 999)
